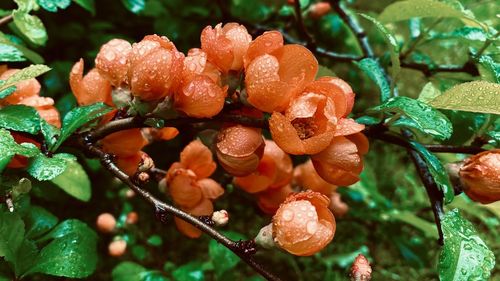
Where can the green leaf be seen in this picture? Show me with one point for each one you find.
(72, 252)
(50, 132)
(410, 218)
(10, 53)
(475, 96)
(53, 5)
(428, 93)
(465, 32)
(9, 147)
(419, 116)
(189, 272)
(403, 10)
(155, 240)
(127, 271)
(32, 56)
(31, 27)
(20, 118)
(222, 258)
(27, 5)
(373, 69)
(25, 257)
(7, 91)
(38, 222)
(437, 171)
(78, 117)
(26, 73)
(464, 256)
(393, 43)
(74, 181)
(44, 168)
(489, 69)
(88, 5)
(11, 235)
(135, 6)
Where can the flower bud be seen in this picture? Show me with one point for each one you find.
(480, 175)
(303, 224)
(220, 218)
(117, 248)
(226, 45)
(200, 98)
(106, 223)
(132, 218)
(265, 237)
(146, 163)
(361, 269)
(317, 10)
(239, 149)
(112, 61)
(155, 68)
(91, 88)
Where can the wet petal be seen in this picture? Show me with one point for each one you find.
(112, 61)
(263, 44)
(183, 188)
(261, 179)
(347, 126)
(124, 143)
(200, 98)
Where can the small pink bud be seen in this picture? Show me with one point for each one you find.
(132, 218)
(117, 248)
(106, 223)
(361, 269)
(220, 218)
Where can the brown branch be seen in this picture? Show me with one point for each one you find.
(244, 249)
(6, 19)
(301, 27)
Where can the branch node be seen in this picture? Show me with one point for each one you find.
(247, 247)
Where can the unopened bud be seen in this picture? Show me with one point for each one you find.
(117, 248)
(146, 164)
(143, 177)
(361, 269)
(220, 218)
(106, 223)
(265, 237)
(319, 9)
(480, 175)
(132, 218)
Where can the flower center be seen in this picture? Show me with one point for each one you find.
(305, 127)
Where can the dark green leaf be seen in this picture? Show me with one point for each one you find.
(222, 258)
(476, 96)
(9, 147)
(20, 118)
(50, 132)
(53, 5)
(373, 69)
(38, 222)
(428, 228)
(393, 43)
(26, 73)
(135, 6)
(78, 117)
(189, 272)
(31, 26)
(26, 256)
(464, 256)
(11, 235)
(88, 5)
(32, 56)
(74, 181)
(155, 240)
(419, 116)
(437, 171)
(44, 168)
(71, 253)
(10, 53)
(7, 91)
(127, 271)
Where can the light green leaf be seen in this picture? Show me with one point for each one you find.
(88, 5)
(428, 228)
(26, 73)
(72, 252)
(419, 116)
(476, 96)
(489, 69)
(10, 53)
(27, 5)
(38, 222)
(403, 10)
(44, 168)
(135, 6)
(9, 147)
(78, 117)
(11, 235)
(393, 43)
(20, 118)
(464, 256)
(222, 258)
(53, 5)
(437, 171)
(373, 69)
(32, 56)
(31, 26)
(428, 93)
(465, 32)
(74, 181)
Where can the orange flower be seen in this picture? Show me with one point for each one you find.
(346, 89)
(303, 224)
(341, 162)
(272, 79)
(263, 44)
(305, 176)
(124, 143)
(129, 163)
(91, 88)
(112, 61)
(270, 199)
(165, 134)
(313, 118)
(189, 186)
(226, 45)
(274, 171)
(239, 149)
(480, 176)
(196, 62)
(200, 98)
(155, 68)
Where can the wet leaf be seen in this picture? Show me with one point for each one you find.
(403, 10)
(189, 272)
(135, 6)
(10, 53)
(31, 26)
(26, 73)
(12, 234)
(54, 5)
(222, 258)
(44, 168)
(476, 96)
(74, 181)
(20, 118)
(38, 222)
(373, 69)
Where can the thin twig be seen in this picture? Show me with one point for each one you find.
(6, 19)
(301, 27)
(487, 44)
(429, 70)
(244, 249)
